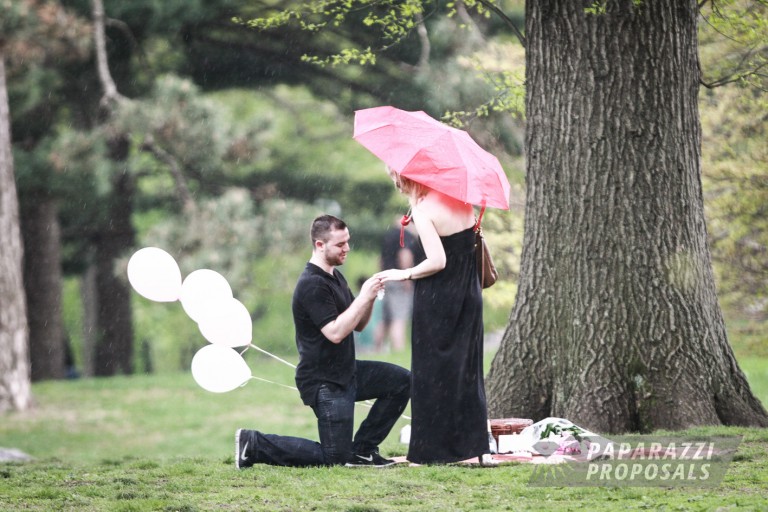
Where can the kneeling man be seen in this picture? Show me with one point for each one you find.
(329, 377)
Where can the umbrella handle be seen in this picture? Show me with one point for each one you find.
(480, 218)
(404, 222)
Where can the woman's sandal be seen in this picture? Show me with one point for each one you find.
(486, 460)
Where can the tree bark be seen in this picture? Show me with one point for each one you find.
(15, 388)
(114, 337)
(102, 63)
(43, 287)
(616, 324)
(114, 318)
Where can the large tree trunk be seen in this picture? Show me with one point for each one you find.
(15, 389)
(114, 336)
(43, 286)
(616, 325)
(114, 340)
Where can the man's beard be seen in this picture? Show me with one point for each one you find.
(335, 261)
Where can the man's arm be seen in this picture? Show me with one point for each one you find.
(366, 318)
(356, 316)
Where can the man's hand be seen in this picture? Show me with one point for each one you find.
(356, 317)
(371, 288)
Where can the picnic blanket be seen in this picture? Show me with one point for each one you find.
(549, 441)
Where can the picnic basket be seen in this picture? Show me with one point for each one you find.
(507, 426)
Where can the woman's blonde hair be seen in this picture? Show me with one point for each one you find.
(407, 186)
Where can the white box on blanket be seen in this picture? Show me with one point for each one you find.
(509, 443)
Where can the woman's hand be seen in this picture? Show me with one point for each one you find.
(394, 274)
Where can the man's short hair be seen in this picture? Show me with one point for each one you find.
(323, 225)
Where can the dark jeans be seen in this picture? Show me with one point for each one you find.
(334, 408)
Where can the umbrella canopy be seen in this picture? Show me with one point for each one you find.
(434, 154)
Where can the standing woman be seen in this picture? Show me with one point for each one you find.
(448, 402)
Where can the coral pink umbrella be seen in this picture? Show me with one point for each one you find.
(434, 154)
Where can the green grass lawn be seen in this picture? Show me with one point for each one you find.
(159, 442)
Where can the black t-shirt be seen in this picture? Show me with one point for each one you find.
(317, 300)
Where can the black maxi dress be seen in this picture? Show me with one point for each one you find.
(448, 405)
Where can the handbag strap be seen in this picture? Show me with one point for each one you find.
(481, 248)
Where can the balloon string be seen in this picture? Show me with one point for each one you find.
(270, 382)
(270, 355)
(367, 403)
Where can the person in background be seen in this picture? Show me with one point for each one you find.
(365, 339)
(329, 377)
(448, 403)
(397, 304)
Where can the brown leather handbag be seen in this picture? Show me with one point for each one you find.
(486, 270)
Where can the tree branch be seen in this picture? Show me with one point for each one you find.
(506, 19)
(281, 56)
(188, 204)
(107, 83)
(421, 30)
(734, 77)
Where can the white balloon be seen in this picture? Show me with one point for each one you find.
(228, 323)
(155, 275)
(202, 290)
(219, 369)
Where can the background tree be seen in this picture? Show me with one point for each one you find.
(616, 309)
(15, 392)
(97, 229)
(55, 39)
(736, 173)
(734, 103)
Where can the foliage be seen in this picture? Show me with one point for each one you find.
(475, 84)
(15, 15)
(441, 44)
(502, 67)
(240, 218)
(79, 156)
(735, 167)
(179, 121)
(39, 37)
(734, 159)
(260, 252)
(733, 42)
(72, 317)
(391, 20)
(597, 8)
(36, 31)
(260, 255)
(289, 144)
